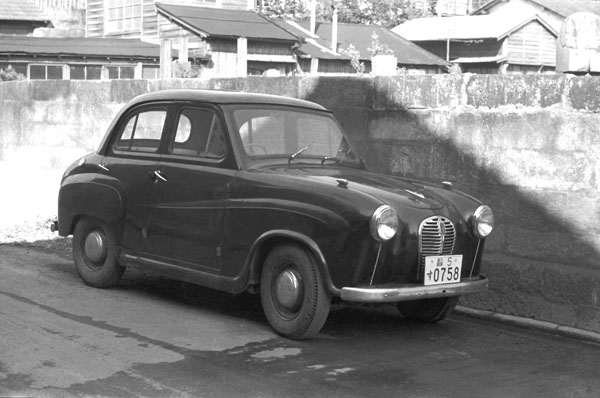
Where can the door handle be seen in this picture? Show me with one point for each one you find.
(157, 175)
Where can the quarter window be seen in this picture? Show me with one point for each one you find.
(199, 133)
(142, 131)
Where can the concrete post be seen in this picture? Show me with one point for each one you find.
(242, 57)
(138, 71)
(183, 49)
(166, 59)
(314, 66)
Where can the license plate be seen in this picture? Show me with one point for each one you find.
(442, 269)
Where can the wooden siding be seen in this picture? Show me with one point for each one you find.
(236, 4)
(460, 49)
(269, 48)
(531, 45)
(94, 18)
(149, 21)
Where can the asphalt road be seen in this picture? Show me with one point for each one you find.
(154, 337)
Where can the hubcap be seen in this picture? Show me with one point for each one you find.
(288, 289)
(95, 247)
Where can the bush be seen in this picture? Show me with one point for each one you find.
(10, 74)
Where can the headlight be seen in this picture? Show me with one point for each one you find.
(384, 223)
(482, 222)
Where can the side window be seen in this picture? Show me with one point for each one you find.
(199, 133)
(142, 132)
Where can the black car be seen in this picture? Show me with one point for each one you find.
(247, 192)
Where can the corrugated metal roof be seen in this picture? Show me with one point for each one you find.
(360, 36)
(218, 22)
(561, 7)
(100, 47)
(22, 10)
(566, 8)
(464, 27)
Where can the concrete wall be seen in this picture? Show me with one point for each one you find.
(529, 146)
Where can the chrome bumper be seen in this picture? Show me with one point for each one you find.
(407, 292)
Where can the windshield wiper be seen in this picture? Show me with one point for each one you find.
(299, 151)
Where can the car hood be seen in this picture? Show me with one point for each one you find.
(394, 191)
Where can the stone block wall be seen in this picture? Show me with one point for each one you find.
(527, 145)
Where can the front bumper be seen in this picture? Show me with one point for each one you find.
(407, 292)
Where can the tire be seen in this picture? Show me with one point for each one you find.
(95, 254)
(292, 293)
(428, 310)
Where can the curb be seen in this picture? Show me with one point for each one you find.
(543, 326)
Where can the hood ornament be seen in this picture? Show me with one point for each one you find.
(342, 182)
(417, 194)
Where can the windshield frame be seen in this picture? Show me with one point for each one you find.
(348, 158)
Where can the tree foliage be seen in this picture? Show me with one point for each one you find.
(388, 13)
(10, 74)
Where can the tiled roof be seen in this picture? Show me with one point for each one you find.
(100, 47)
(360, 36)
(218, 22)
(464, 27)
(22, 10)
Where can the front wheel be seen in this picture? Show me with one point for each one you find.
(428, 310)
(95, 254)
(292, 293)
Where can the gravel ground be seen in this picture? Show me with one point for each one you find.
(28, 204)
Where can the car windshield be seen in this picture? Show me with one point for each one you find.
(280, 132)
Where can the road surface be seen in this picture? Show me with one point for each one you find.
(154, 337)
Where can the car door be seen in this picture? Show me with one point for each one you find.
(132, 157)
(189, 196)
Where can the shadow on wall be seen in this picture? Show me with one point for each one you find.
(543, 258)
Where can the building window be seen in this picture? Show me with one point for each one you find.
(123, 16)
(85, 72)
(121, 72)
(150, 72)
(45, 72)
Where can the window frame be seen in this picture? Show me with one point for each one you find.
(122, 124)
(197, 159)
(136, 27)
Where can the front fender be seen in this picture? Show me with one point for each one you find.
(261, 247)
(89, 194)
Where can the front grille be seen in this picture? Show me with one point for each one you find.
(436, 237)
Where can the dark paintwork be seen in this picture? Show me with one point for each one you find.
(217, 233)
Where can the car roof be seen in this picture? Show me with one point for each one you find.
(223, 98)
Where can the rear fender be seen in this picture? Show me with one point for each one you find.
(94, 195)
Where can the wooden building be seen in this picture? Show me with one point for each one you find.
(487, 43)
(51, 58)
(236, 42)
(21, 17)
(138, 18)
(318, 54)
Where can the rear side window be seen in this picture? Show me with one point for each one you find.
(200, 133)
(142, 131)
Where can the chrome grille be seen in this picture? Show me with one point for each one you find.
(436, 237)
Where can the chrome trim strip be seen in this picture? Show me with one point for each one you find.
(475, 258)
(376, 263)
(407, 292)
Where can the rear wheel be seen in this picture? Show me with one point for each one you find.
(428, 310)
(292, 292)
(94, 253)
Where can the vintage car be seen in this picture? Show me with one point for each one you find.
(257, 193)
